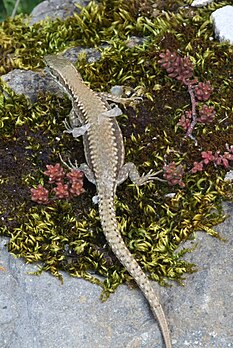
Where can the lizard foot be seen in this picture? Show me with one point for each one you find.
(116, 96)
(114, 111)
(76, 131)
(83, 167)
(129, 169)
(149, 177)
(69, 165)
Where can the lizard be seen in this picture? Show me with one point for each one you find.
(95, 120)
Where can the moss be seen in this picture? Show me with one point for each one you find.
(67, 235)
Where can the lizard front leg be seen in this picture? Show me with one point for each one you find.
(113, 111)
(116, 96)
(76, 131)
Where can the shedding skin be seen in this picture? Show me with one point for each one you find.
(95, 120)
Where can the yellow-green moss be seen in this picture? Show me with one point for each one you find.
(67, 235)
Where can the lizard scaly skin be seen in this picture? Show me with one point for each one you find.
(104, 153)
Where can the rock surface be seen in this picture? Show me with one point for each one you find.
(30, 83)
(200, 3)
(223, 23)
(55, 9)
(40, 312)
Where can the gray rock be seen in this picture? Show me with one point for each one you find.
(223, 23)
(202, 311)
(92, 54)
(40, 312)
(31, 83)
(200, 3)
(56, 9)
(229, 175)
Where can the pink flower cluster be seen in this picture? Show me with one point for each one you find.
(185, 120)
(177, 67)
(40, 195)
(206, 115)
(182, 69)
(67, 185)
(174, 174)
(217, 158)
(55, 173)
(203, 91)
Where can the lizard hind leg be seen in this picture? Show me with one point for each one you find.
(130, 170)
(73, 119)
(83, 168)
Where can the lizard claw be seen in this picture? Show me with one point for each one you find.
(67, 126)
(69, 165)
(149, 177)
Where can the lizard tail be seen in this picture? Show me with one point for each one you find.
(116, 242)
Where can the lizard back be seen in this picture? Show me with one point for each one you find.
(103, 141)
